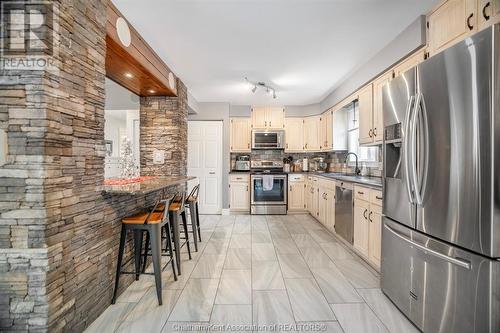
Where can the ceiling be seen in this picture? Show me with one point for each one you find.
(303, 48)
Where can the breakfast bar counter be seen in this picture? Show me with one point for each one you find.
(143, 185)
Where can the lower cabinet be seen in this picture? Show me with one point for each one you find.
(361, 226)
(326, 204)
(368, 223)
(239, 193)
(296, 193)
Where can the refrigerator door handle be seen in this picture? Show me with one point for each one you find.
(451, 260)
(414, 176)
(406, 148)
(423, 183)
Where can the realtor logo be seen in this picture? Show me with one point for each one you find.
(27, 34)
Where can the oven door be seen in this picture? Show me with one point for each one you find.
(277, 195)
(267, 140)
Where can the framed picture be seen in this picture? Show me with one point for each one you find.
(109, 147)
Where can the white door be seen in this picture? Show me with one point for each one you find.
(205, 163)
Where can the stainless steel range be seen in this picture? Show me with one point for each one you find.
(268, 188)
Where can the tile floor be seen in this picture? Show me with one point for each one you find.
(263, 272)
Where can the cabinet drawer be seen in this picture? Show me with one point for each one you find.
(236, 178)
(362, 193)
(376, 197)
(327, 184)
(295, 178)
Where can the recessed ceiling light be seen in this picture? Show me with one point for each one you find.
(151, 91)
(129, 75)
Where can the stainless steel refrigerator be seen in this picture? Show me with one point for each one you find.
(441, 225)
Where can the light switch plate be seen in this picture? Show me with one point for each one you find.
(158, 156)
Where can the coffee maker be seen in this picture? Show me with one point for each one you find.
(242, 163)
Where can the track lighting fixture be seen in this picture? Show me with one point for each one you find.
(254, 85)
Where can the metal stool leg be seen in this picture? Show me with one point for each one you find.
(186, 232)
(194, 225)
(155, 237)
(123, 236)
(174, 217)
(171, 252)
(138, 252)
(146, 252)
(198, 221)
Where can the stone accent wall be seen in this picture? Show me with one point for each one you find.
(58, 233)
(164, 127)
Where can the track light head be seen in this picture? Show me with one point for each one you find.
(254, 89)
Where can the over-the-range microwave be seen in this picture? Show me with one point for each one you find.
(265, 139)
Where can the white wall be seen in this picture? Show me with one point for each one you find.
(410, 39)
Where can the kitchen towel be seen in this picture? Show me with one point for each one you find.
(267, 183)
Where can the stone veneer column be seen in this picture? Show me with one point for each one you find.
(58, 233)
(164, 127)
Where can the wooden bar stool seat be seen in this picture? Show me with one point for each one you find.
(140, 218)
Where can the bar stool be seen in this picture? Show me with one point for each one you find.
(152, 223)
(176, 210)
(192, 205)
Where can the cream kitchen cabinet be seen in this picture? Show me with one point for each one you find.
(410, 62)
(268, 117)
(326, 204)
(450, 22)
(487, 13)
(312, 133)
(240, 135)
(296, 193)
(368, 223)
(312, 196)
(294, 134)
(326, 122)
(375, 234)
(365, 105)
(239, 192)
(361, 226)
(378, 114)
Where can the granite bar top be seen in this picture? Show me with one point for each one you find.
(146, 186)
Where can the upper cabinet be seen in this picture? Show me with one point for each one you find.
(294, 134)
(450, 22)
(240, 135)
(268, 117)
(326, 122)
(409, 62)
(378, 114)
(365, 100)
(488, 13)
(312, 133)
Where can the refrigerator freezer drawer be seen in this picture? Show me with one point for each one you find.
(441, 288)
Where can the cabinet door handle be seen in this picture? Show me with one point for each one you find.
(378, 198)
(468, 21)
(247, 188)
(370, 133)
(359, 192)
(364, 213)
(212, 173)
(287, 146)
(291, 189)
(486, 16)
(265, 123)
(375, 131)
(370, 217)
(248, 145)
(270, 124)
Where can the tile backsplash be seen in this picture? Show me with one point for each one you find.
(335, 160)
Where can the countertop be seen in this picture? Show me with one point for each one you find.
(375, 182)
(147, 186)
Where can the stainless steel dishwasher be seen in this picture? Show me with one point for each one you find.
(344, 221)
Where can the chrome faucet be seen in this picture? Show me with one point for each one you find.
(357, 171)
